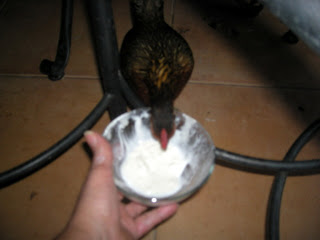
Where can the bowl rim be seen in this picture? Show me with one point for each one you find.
(157, 201)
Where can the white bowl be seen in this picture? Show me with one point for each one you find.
(127, 131)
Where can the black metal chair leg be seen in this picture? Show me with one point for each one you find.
(104, 35)
(55, 70)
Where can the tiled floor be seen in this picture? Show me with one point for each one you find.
(253, 93)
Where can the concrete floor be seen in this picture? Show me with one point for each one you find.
(252, 92)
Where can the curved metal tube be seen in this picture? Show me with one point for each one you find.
(43, 159)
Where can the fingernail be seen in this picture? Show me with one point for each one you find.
(88, 133)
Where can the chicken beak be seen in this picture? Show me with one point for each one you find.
(163, 139)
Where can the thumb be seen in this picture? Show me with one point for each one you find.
(99, 187)
(98, 200)
(102, 153)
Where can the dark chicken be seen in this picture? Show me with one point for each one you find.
(156, 62)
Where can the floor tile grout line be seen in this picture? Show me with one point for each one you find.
(154, 234)
(44, 76)
(239, 85)
(244, 85)
(172, 11)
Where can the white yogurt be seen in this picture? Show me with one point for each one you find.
(153, 172)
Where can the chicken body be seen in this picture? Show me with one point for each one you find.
(156, 62)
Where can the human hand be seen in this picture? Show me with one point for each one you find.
(99, 213)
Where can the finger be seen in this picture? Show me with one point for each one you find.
(102, 153)
(150, 219)
(134, 209)
(100, 177)
(120, 196)
(98, 199)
